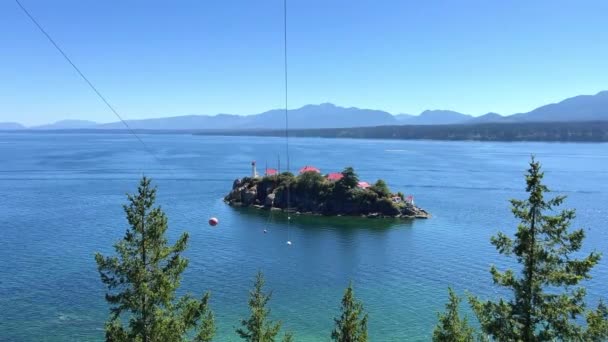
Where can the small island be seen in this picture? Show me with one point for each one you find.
(310, 192)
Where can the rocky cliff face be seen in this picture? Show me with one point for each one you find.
(271, 192)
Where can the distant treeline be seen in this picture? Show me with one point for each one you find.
(592, 131)
(581, 131)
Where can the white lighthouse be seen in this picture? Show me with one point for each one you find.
(254, 172)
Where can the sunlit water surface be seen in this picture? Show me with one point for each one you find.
(62, 195)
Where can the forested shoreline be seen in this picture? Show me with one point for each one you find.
(589, 131)
(582, 131)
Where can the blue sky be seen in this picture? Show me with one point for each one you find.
(164, 58)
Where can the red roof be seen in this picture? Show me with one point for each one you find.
(363, 185)
(335, 176)
(271, 172)
(309, 169)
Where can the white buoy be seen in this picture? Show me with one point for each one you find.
(289, 243)
(265, 231)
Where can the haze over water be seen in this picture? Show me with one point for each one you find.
(62, 197)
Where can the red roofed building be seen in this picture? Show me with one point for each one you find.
(335, 176)
(363, 185)
(309, 169)
(270, 172)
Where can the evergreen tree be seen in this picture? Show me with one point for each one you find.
(309, 182)
(545, 299)
(351, 326)
(452, 328)
(288, 337)
(143, 277)
(597, 324)
(258, 327)
(381, 188)
(350, 180)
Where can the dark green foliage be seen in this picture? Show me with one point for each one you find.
(348, 182)
(452, 328)
(258, 327)
(381, 188)
(309, 181)
(597, 324)
(281, 184)
(288, 337)
(287, 177)
(367, 201)
(312, 192)
(143, 277)
(387, 206)
(524, 131)
(351, 326)
(545, 300)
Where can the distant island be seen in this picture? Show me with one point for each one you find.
(591, 131)
(310, 192)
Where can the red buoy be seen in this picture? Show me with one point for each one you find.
(213, 221)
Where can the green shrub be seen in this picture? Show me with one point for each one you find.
(387, 207)
(381, 188)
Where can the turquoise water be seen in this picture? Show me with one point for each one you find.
(62, 195)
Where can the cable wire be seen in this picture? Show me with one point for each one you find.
(65, 56)
(286, 111)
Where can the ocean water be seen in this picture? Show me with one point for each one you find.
(62, 194)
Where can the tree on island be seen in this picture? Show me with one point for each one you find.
(381, 188)
(351, 326)
(258, 327)
(349, 179)
(452, 328)
(546, 301)
(143, 277)
(313, 193)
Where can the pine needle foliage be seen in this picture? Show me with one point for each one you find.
(597, 324)
(451, 327)
(258, 327)
(142, 279)
(546, 297)
(351, 326)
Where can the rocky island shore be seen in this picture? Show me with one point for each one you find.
(310, 192)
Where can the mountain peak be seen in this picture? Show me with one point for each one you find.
(577, 108)
(68, 124)
(602, 93)
(486, 118)
(324, 105)
(440, 117)
(10, 126)
(327, 104)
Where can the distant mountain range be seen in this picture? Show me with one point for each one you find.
(10, 126)
(69, 124)
(434, 117)
(327, 115)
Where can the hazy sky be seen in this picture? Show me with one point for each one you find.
(161, 58)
